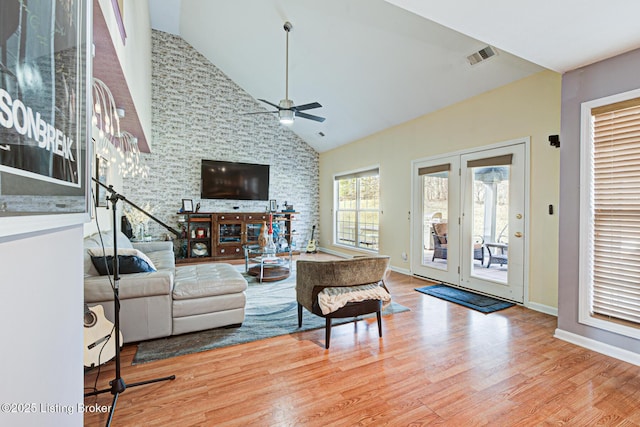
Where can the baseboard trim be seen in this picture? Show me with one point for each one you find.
(546, 309)
(404, 271)
(336, 253)
(597, 346)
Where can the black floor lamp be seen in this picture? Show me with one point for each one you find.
(118, 385)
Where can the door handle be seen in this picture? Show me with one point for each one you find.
(517, 234)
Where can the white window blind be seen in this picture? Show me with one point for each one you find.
(616, 212)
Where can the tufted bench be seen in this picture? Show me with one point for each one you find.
(207, 296)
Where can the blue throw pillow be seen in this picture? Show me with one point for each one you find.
(126, 264)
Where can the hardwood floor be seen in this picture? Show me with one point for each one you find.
(439, 363)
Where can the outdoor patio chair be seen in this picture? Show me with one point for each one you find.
(498, 251)
(497, 254)
(439, 232)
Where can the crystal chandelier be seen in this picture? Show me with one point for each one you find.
(128, 154)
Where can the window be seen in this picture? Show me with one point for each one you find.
(357, 204)
(610, 215)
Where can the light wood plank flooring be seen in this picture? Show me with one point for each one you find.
(439, 363)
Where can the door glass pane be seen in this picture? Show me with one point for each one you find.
(228, 233)
(491, 222)
(435, 206)
(253, 231)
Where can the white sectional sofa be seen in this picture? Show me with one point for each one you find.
(169, 301)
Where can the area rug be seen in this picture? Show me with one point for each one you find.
(271, 311)
(468, 299)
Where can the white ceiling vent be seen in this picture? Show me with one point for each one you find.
(482, 55)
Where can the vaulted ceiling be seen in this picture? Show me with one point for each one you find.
(374, 64)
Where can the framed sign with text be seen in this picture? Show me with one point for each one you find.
(45, 114)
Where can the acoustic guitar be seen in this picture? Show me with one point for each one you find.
(312, 245)
(99, 337)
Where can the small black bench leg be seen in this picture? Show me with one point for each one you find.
(327, 334)
(299, 315)
(379, 316)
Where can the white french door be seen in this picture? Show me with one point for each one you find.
(470, 219)
(436, 235)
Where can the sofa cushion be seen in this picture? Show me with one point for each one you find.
(127, 264)
(137, 285)
(107, 240)
(212, 304)
(203, 280)
(99, 240)
(99, 252)
(89, 268)
(163, 260)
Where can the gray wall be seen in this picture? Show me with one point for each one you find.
(197, 115)
(608, 77)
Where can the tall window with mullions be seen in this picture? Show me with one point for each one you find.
(358, 209)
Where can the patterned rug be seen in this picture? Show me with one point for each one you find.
(271, 311)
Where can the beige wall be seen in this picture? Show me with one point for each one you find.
(528, 107)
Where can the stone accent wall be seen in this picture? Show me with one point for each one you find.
(197, 115)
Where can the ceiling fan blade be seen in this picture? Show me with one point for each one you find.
(306, 106)
(258, 112)
(270, 103)
(310, 117)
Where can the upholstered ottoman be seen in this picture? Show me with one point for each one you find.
(207, 296)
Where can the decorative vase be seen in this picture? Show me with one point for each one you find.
(271, 245)
(263, 237)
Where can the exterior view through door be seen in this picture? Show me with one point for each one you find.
(470, 217)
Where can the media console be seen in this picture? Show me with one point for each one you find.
(213, 236)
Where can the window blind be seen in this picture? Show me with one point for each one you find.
(361, 174)
(504, 160)
(427, 170)
(616, 212)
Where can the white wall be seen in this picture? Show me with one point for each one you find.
(41, 314)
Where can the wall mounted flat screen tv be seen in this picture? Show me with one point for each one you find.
(235, 181)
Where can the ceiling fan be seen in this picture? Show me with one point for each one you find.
(287, 111)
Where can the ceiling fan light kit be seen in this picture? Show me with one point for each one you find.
(287, 111)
